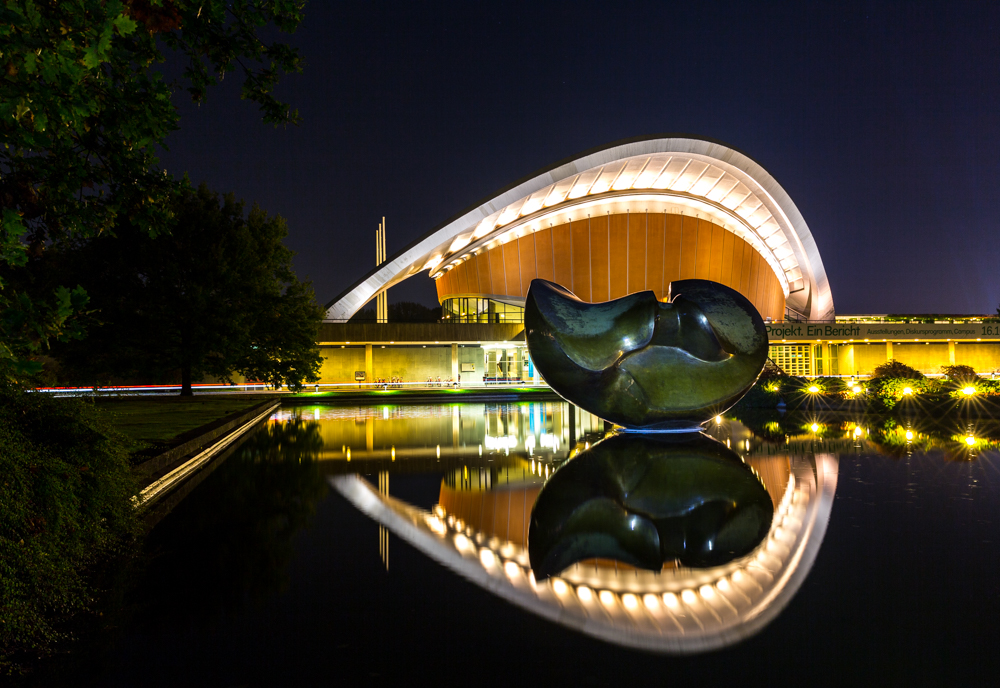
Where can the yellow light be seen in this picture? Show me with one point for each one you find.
(857, 431)
(907, 390)
(607, 598)
(348, 453)
(393, 453)
(439, 451)
(651, 601)
(969, 391)
(718, 420)
(670, 599)
(689, 597)
(559, 586)
(630, 601)
(970, 440)
(856, 389)
(813, 389)
(814, 427)
(706, 591)
(511, 569)
(584, 593)
(487, 557)
(909, 434)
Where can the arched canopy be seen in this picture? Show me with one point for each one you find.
(681, 175)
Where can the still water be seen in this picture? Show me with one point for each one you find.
(508, 544)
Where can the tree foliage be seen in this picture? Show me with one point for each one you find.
(82, 110)
(216, 296)
(65, 502)
(894, 369)
(960, 374)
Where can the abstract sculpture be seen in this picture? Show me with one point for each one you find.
(645, 364)
(649, 499)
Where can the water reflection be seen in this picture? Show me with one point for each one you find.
(649, 501)
(637, 589)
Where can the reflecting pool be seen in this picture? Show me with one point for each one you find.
(527, 543)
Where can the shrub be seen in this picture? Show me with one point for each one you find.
(65, 506)
(894, 369)
(960, 374)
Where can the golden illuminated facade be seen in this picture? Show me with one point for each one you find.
(606, 256)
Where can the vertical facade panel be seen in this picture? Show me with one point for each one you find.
(543, 254)
(563, 259)
(703, 266)
(737, 277)
(485, 277)
(441, 292)
(748, 253)
(654, 254)
(526, 250)
(636, 252)
(728, 241)
(473, 267)
(512, 269)
(462, 275)
(495, 256)
(715, 261)
(599, 285)
(618, 255)
(580, 230)
(672, 234)
(689, 247)
(751, 292)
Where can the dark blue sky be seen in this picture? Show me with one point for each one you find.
(881, 121)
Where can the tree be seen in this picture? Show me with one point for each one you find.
(216, 296)
(894, 369)
(82, 110)
(960, 374)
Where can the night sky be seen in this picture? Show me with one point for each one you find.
(880, 120)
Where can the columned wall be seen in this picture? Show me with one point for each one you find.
(608, 256)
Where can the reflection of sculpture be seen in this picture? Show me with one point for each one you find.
(645, 364)
(676, 610)
(647, 500)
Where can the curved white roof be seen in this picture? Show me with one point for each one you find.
(680, 174)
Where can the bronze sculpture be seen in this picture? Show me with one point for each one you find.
(645, 364)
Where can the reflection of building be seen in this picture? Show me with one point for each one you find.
(631, 217)
(677, 610)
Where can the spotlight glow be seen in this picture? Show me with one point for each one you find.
(814, 427)
(970, 440)
(813, 389)
(907, 390)
(969, 391)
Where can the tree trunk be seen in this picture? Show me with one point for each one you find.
(186, 379)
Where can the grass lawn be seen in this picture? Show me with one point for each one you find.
(160, 419)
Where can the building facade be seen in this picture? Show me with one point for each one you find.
(633, 216)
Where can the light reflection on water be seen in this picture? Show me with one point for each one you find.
(263, 575)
